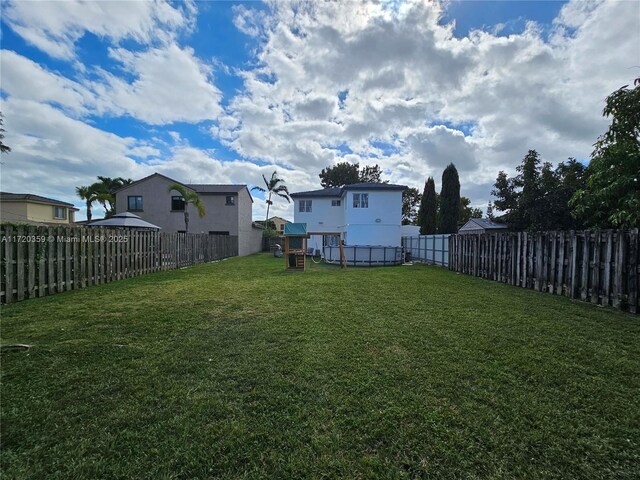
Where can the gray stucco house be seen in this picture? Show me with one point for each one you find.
(228, 209)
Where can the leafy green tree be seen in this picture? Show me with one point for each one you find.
(274, 186)
(345, 173)
(611, 197)
(531, 208)
(466, 212)
(341, 174)
(428, 211)
(557, 188)
(449, 201)
(3, 148)
(411, 199)
(370, 174)
(190, 197)
(537, 198)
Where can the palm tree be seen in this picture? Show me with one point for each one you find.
(189, 197)
(89, 196)
(102, 192)
(105, 192)
(276, 186)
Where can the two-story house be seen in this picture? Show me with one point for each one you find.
(279, 223)
(229, 209)
(364, 214)
(35, 209)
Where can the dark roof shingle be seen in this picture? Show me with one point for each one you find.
(484, 223)
(338, 191)
(16, 197)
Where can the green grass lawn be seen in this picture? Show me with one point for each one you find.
(240, 370)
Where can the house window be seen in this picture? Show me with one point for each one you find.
(336, 203)
(360, 200)
(231, 200)
(60, 213)
(304, 206)
(134, 203)
(282, 227)
(213, 232)
(177, 203)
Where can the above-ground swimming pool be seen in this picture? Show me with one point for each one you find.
(364, 255)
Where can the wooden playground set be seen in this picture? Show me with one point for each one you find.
(295, 246)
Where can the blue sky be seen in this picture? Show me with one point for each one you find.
(228, 91)
(477, 15)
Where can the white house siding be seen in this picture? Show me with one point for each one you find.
(322, 218)
(379, 224)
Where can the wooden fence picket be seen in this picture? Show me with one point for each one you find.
(31, 262)
(9, 264)
(41, 251)
(633, 271)
(20, 259)
(596, 266)
(41, 261)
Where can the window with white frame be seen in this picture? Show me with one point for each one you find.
(360, 200)
(335, 203)
(304, 206)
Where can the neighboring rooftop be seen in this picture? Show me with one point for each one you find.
(279, 218)
(30, 197)
(325, 192)
(374, 186)
(205, 188)
(484, 223)
(339, 191)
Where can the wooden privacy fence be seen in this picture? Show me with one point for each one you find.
(39, 261)
(600, 266)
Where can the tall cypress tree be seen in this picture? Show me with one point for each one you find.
(428, 208)
(449, 201)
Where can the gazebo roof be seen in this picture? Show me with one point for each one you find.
(125, 219)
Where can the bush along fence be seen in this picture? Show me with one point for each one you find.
(600, 266)
(39, 261)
